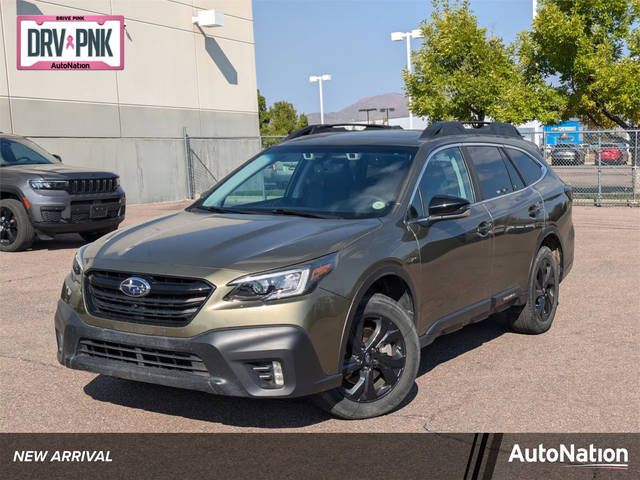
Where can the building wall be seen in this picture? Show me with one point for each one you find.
(131, 121)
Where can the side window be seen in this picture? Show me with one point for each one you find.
(446, 174)
(529, 168)
(492, 172)
(415, 209)
(516, 179)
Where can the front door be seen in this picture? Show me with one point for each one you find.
(455, 254)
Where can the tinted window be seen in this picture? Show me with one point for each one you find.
(529, 168)
(415, 209)
(516, 180)
(446, 174)
(23, 152)
(492, 172)
(347, 182)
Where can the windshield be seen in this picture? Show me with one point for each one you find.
(343, 182)
(23, 152)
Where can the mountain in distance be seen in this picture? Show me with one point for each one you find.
(350, 114)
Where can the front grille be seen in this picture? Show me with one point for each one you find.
(142, 356)
(92, 185)
(81, 211)
(51, 215)
(172, 301)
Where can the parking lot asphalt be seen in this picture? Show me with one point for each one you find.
(580, 376)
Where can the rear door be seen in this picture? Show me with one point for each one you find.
(517, 213)
(455, 254)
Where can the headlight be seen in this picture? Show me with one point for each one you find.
(78, 265)
(116, 183)
(284, 283)
(49, 184)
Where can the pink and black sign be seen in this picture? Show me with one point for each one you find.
(78, 42)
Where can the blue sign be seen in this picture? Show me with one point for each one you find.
(564, 132)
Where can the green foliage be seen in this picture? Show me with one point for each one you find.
(280, 119)
(590, 51)
(263, 113)
(462, 73)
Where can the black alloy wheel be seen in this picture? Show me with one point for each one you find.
(545, 293)
(375, 360)
(8, 227)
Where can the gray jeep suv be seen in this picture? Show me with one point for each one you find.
(40, 195)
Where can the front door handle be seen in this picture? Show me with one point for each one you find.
(483, 229)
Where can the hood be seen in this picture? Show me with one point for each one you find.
(58, 170)
(246, 243)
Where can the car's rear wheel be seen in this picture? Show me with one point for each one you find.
(542, 301)
(380, 364)
(93, 236)
(16, 231)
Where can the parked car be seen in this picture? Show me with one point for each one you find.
(381, 241)
(567, 154)
(613, 154)
(41, 196)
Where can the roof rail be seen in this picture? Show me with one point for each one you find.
(336, 127)
(441, 129)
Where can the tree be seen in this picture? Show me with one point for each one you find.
(590, 51)
(280, 119)
(263, 114)
(461, 73)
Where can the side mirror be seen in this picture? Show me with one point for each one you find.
(443, 207)
(58, 157)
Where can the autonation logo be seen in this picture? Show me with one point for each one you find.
(572, 456)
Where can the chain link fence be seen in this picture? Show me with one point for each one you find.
(603, 166)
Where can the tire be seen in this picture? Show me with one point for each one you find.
(16, 231)
(382, 319)
(542, 298)
(93, 236)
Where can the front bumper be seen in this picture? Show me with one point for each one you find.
(228, 356)
(60, 212)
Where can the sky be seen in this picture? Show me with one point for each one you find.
(351, 40)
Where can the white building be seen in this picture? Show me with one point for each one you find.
(131, 121)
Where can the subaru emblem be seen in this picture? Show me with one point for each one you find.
(135, 287)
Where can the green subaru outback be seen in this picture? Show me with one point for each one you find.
(329, 282)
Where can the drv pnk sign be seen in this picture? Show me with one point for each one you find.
(70, 42)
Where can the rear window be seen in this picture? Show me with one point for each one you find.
(530, 170)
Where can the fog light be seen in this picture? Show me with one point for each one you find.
(278, 378)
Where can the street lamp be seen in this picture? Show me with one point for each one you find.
(367, 110)
(320, 79)
(399, 36)
(387, 110)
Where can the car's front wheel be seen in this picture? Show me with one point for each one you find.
(380, 364)
(16, 231)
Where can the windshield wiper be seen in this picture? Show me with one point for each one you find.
(221, 210)
(260, 211)
(297, 213)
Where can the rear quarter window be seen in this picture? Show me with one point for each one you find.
(530, 170)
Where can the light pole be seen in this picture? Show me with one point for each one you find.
(387, 110)
(367, 110)
(320, 79)
(398, 36)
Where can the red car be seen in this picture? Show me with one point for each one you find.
(614, 154)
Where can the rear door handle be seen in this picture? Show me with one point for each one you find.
(483, 229)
